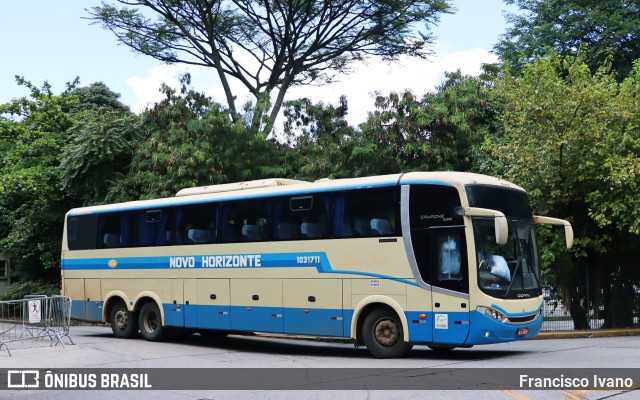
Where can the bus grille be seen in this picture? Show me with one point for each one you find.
(523, 320)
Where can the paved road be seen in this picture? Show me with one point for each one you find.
(97, 348)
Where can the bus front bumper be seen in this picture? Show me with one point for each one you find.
(486, 330)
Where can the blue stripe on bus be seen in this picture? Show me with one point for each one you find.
(317, 260)
(324, 322)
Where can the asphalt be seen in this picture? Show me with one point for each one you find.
(595, 333)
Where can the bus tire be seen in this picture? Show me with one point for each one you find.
(150, 321)
(124, 323)
(383, 335)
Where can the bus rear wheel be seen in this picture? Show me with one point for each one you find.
(151, 323)
(124, 323)
(383, 335)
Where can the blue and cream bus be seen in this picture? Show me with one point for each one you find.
(440, 259)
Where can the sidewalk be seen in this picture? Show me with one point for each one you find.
(588, 333)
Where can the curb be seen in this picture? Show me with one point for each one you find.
(600, 333)
(596, 333)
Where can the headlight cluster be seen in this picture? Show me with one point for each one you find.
(495, 314)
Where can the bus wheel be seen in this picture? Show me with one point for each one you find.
(151, 323)
(124, 323)
(383, 335)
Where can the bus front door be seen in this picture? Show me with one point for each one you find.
(450, 286)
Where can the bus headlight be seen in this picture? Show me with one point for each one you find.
(495, 314)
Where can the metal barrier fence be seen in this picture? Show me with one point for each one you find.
(35, 318)
(601, 299)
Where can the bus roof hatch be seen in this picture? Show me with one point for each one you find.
(230, 187)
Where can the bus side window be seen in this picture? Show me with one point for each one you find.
(114, 230)
(312, 215)
(284, 224)
(152, 227)
(246, 221)
(367, 212)
(111, 240)
(196, 224)
(82, 232)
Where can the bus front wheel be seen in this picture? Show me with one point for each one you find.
(383, 335)
(151, 323)
(124, 323)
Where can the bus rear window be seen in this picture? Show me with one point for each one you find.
(81, 232)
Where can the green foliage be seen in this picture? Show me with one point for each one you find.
(441, 131)
(97, 96)
(32, 203)
(606, 30)
(321, 138)
(187, 140)
(52, 159)
(17, 291)
(99, 150)
(571, 138)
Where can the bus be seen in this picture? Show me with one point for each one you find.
(442, 259)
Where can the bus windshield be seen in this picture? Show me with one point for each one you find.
(511, 270)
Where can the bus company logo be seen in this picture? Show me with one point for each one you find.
(442, 321)
(435, 216)
(21, 379)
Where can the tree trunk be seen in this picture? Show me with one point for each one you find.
(574, 293)
(619, 296)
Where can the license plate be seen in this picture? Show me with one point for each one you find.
(522, 331)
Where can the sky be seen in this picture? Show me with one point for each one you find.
(53, 41)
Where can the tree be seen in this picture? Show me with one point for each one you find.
(32, 202)
(98, 146)
(95, 96)
(441, 131)
(53, 157)
(605, 29)
(187, 140)
(270, 46)
(571, 138)
(320, 139)
(99, 149)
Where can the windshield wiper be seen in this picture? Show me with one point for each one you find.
(513, 277)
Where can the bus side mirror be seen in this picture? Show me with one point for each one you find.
(568, 235)
(502, 230)
(501, 225)
(568, 229)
